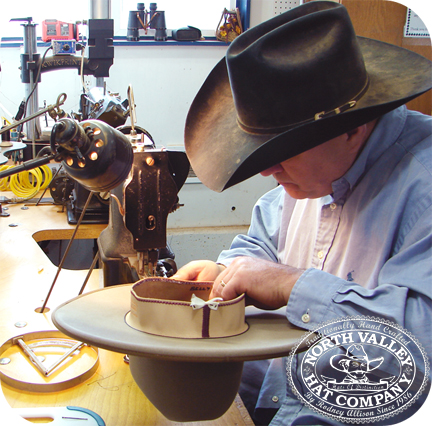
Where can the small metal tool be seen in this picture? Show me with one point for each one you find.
(37, 362)
(132, 109)
(53, 109)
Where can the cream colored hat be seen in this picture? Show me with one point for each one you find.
(186, 379)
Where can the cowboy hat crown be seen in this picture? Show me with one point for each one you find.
(283, 62)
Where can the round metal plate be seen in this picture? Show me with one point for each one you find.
(21, 374)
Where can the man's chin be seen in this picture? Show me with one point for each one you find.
(295, 192)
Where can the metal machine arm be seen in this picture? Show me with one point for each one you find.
(144, 183)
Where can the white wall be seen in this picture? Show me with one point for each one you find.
(164, 79)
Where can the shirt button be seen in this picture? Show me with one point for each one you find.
(320, 255)
(305, 317)
(333, 206)
(275, 398)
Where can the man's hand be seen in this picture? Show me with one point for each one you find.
(199, 270)
(267, 284)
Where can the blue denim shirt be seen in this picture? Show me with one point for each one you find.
(366, 248)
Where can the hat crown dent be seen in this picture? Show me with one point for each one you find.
(256, 32)
(295, 77)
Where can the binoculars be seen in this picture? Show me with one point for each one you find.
(138, 19)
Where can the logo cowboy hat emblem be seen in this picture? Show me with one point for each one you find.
(356, 364)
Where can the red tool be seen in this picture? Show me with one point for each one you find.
(52, 29)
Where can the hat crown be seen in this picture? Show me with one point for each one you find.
(280, 78)
(357, 352)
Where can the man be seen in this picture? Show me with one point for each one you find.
(348, 230)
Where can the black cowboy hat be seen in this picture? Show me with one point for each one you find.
(290, 84)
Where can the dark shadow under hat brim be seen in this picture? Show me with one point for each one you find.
(222, 154)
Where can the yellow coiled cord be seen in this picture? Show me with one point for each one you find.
(26, 184)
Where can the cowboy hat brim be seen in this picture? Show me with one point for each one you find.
(98, 318)
(222, 154)
(185, 379)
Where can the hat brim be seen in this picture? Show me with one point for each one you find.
(98, 318)
(222, 155)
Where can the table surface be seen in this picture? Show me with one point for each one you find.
(25, 279)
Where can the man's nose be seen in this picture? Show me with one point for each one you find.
(272, 170)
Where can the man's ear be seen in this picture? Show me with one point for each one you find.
(357, 137)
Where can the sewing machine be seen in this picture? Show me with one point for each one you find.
(144, 182)
(99, 158)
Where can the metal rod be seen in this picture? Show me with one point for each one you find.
(63, 357)
(60, 101)
(27, 165)
(96, 258)
(74, 418)
(100, 9)
(45, 190)
(132, 110)
(32, 356)
(67, 251)
(31, 89)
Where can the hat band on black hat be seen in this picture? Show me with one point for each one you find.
(318, 116)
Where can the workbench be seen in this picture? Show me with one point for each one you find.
(26, 277)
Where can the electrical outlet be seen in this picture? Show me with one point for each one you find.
(281, 6)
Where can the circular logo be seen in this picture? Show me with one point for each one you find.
(358, 369)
